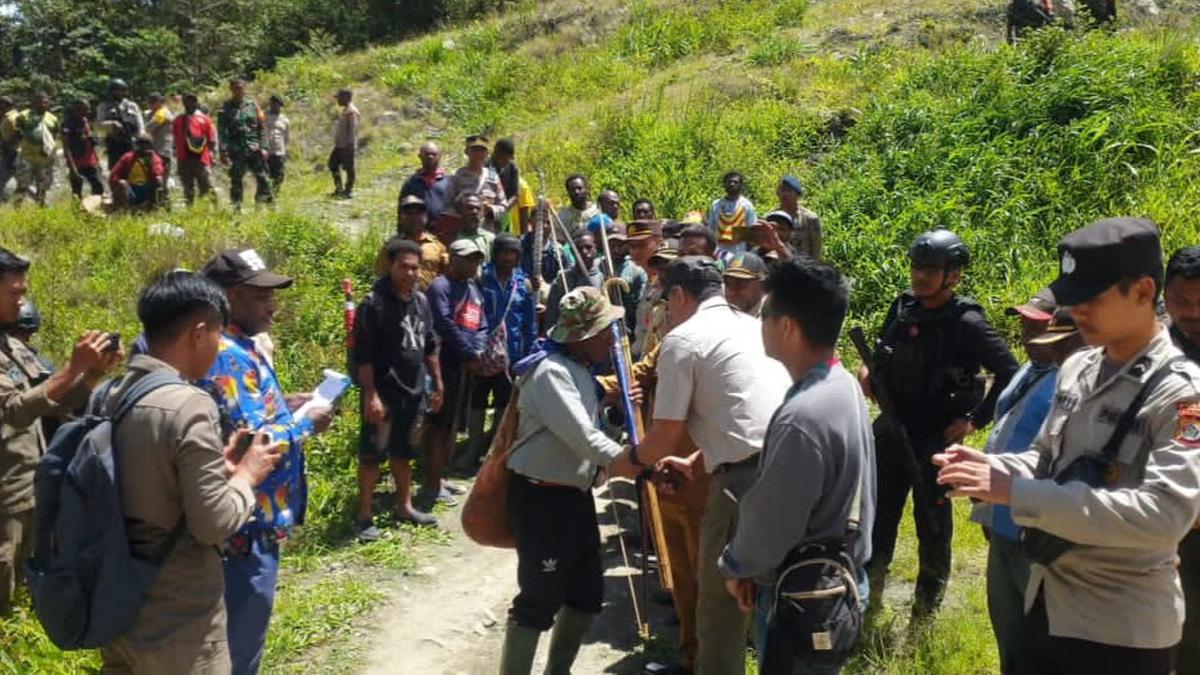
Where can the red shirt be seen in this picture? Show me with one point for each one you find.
(124, 168)
(199, 126)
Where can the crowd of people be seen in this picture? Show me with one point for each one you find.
(779, 497)
(148, 152)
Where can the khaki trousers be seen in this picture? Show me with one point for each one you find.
(681, 516)
(721, 627)
(171, 658)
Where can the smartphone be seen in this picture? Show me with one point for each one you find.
(244, 443)
(114, 342)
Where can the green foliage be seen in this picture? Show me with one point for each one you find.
(71, 49)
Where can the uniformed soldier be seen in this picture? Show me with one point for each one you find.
(243, 136)
(930, 352)
(1110, 485)
(22, 405)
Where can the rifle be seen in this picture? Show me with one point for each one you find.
(887, 413)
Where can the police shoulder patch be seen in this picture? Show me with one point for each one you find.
(1187, 429)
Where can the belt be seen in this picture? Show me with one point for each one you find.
(749, 462)
(546, 483)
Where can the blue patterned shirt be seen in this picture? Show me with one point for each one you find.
(248, 393)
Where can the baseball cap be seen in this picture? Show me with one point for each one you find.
(1038, 308)
(618, 232)
(643, 229)
(1094, 258)
(583, 313)
(478, 141)
(505, 241)
(237, 267)
(411, 200)
(692, 269)
(781, 217)
(598, 221)
(465, 248)
(746, 266)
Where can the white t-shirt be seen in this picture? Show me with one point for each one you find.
(714, 375)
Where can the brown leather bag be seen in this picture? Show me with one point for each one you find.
(485, 515)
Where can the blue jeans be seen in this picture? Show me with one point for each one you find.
(762, 610)
(249, 597)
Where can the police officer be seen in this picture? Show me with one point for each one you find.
(930, 352)
(1109, 486)
(22, 403)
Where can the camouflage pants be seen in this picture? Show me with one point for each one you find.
(16, 544)
(255, 166)
(34, 180)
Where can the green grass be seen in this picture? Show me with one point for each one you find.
(896, 125)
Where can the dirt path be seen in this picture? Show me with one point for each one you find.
(450, 619)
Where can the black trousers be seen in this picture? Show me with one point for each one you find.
(91, 175)
(558, 552)
(1046, 654)
(498, 385)
(1189, 578)
(935, 524)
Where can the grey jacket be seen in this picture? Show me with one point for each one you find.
(558, 440)
(1119, 586)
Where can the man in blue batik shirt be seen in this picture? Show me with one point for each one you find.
(1049, 336)
(248, 393)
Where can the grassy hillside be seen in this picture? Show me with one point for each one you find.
(898, 116)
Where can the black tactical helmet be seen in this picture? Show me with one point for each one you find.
(117, 83)
(29, 319)
(939, 248)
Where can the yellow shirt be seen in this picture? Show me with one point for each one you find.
(525, 200)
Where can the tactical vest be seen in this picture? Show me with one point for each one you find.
(912, 360)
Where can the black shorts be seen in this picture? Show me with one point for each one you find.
(457, 385)
(395, 437)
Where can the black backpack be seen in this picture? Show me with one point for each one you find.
(86, 583)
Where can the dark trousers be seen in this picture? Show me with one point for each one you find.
(342, 159)
(558, 552)
(1046, 654)
(1007, 578)
(935, 524)
(1189, 577)
(276, 169)
(91, 175)
(497, 386)
(253, 164)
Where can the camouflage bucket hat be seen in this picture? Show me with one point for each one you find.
(583, 313)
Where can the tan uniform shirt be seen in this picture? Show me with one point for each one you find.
(171, 466)
(1119, 586)
(21, 406)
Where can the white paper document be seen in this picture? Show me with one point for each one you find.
(326, 394)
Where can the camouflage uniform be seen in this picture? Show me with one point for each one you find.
(242, 131)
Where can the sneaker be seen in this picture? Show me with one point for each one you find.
(453, 488)
(367, 532)
(418, 518)
(426, 500)
(446, 497)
